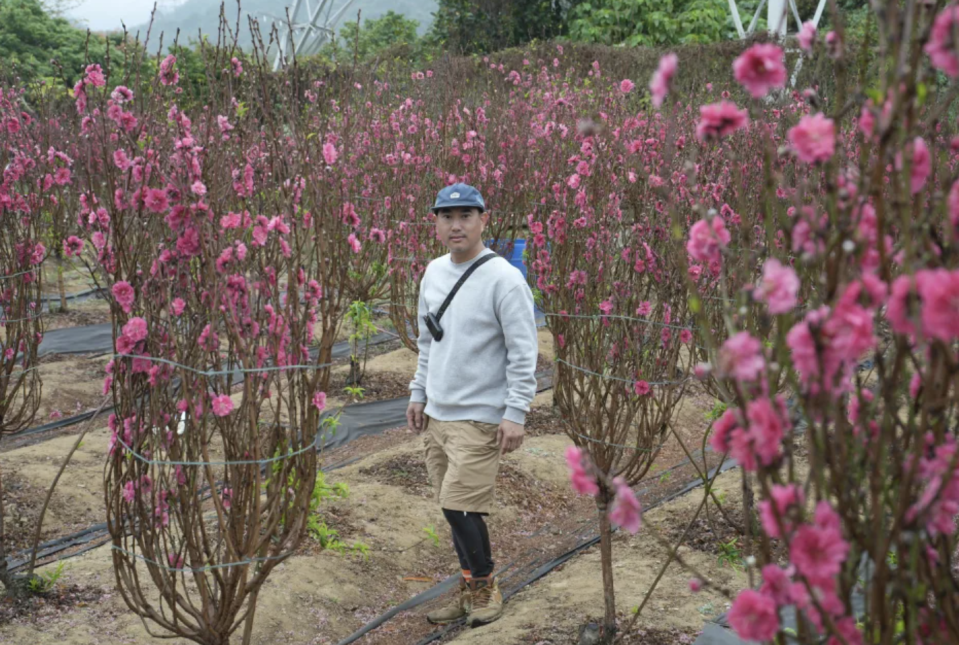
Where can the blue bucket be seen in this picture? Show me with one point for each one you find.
(516, 257)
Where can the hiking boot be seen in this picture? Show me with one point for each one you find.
(457, 608)
(487, 601)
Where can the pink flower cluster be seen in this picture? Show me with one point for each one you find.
(778, 288)
(741, 358)
(828, 343)
(760, 69)
(707, 239)
(931, 298)
(168, 72)
(583, 483)
(941, 47)
(625, 511)
(718, 120)
(662, 78)
(755, 440)
(814, 138)
(817, 552)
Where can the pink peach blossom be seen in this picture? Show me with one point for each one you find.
(168, 73)
(329, 153)
(760, 69)
(814, 138)
(778, 287)
(807, 36)
(782, 498)
(718, 120)
(740, 357)
(754, 616)
(156, 200)
(707, 239)
(941, 47)
(921, 165)
(626, 512)
(319, 401)
(222, 405)
(94, 76)
(818, 550)
(73, 245)
(582, 483)
(135, 329)
(662, 78)
(939, 295)
(354, 243)
(124, 295)
(723, 429)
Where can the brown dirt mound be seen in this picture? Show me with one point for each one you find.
(528, 494)
(556, 635)
(377, 386)
(21, 507)
(35, 609)
(77, 315)
(405, 471)
(544, 420)
(337, 517)
(709, 535)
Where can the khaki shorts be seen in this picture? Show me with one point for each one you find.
(462, 459)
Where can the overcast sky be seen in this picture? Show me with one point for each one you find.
(106, 14)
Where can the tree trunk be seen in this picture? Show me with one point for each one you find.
(354, 376)
(61, 288)
(4, 574)
(606, 555)
(248, 626)
(6, 578)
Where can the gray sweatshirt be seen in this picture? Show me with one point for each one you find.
(484, 369)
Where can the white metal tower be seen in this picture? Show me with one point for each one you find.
(777, 22)
(777, 17)
(309, 27)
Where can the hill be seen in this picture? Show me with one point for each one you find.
(195, 16)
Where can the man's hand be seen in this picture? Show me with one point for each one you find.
(414, 416)
(509, 436)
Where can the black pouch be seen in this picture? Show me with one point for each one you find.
(433, 320)
(433, 324)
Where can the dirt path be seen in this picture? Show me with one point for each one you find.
(318, 596)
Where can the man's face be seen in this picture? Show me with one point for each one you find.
(461, 228)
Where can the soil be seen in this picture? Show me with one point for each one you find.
(71, 385)
(377, 386)
(76, 279)
(319, 596)
(714, 534)
(396, 361)
(544, 419)
(35, 609)
(78, 314)
(22, 501)
(558, 635)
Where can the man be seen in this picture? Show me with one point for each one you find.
(472, 389)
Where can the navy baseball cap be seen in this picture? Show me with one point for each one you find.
(459, 195)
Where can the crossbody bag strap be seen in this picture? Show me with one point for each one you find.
(459, 283)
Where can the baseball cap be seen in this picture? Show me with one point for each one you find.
(459, 195)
